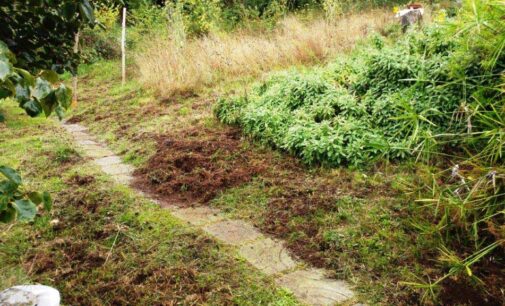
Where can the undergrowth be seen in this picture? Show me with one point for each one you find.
(436, 95)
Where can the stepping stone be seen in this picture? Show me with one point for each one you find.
(234, 232)
(86, 142)
(269, 256)
(312, 287)
(123, 179)
(114, 169)
(98, 152)
(109, 160)
(198, 216)
(82, 136)
(74, 127)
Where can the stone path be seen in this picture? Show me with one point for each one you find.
(309, 285)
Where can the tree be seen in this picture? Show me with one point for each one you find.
(36, 43)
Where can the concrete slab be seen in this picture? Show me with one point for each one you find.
(74, 127)
(86, 142)
(98, 152)
(198, 215)
(108, 160)
(269, 256)
(123, 179)
(114, 169)
(314, 288)
(235, 232)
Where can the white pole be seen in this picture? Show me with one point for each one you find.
(123, 48)
(74, 78)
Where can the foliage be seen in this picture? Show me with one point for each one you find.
(35, 94)
(50, 46)
(16, 203)
(431, 94)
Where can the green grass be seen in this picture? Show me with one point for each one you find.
(104, 244)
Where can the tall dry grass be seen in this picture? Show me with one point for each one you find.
(174, 67)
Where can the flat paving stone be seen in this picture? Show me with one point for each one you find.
(82, 136)
(108, 160)
(74, 127)
(233, 232)
(269, 256)
(117, 169)
(198, 215)
(98, 152)
(314, 288)
(86, 142)
(123, 179)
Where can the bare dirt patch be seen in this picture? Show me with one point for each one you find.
(194, 166)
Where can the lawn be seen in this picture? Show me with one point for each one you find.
(103, 244)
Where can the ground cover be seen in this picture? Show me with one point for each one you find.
(104, 245)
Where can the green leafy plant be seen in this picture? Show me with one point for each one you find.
(35, 94)
(16, 203)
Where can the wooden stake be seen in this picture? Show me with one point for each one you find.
(74, 77)
(123, 48)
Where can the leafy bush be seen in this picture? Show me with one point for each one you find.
(380, 101)
(438, 92)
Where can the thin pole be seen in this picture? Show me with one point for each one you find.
(74, 77)
(123, 48)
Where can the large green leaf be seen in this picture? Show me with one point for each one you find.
(64, 96)
(49, 103)
(5, 70)
(49, 75)
(35, 197)
(32, 108)
(11, 174)
(8, 187)
(87, 12)
(8, 214)
(26, 210)
(42, 89)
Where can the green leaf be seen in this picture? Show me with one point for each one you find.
(8, 214)
(49, 75)
(48, 103)
(5, 92)
(35, 197)
(87, 12)
(11, 174)
(27, 77)
(8, 187)
(42, 89)
(5, 70)
(4, 201)
(48, 202)
(32, 108)
(64, 96)
(26, 210)
(22, 92)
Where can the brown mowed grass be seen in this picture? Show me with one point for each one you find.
(172, 67)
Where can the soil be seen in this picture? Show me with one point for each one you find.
(193, 167)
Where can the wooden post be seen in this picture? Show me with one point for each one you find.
(74, 77)
(123, 48)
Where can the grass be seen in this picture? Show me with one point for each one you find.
(102, 244)
(281, 188)
(171, 66)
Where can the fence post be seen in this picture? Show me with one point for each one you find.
(123, 48)
(74, 77)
